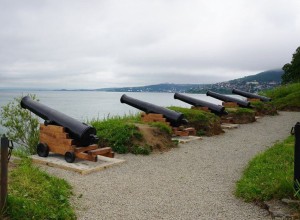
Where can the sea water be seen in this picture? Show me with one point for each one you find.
(88, 105)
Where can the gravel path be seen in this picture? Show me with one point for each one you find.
(193, 181)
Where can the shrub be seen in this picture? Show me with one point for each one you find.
(22, 126)
(117, 132)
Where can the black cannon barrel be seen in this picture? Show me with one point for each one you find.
(225, 98)
(251, 95)
(217, 109)
(79, 131)
(175, 118)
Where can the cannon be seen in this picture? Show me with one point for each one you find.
(175, 118)
(251, 96)
(216, 109)
(64, 135)
(241, 103)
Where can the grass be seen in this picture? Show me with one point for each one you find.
(205, 123)
(240, 111)
(286, 97)
(33, 194)
(118, 133)
(269, 175)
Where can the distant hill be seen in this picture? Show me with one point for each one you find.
(254, 83)
(263, 80)
(164, 87)
(263, 77)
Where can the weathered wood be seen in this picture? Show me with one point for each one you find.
(84, 149)
(4, 171)
(200, 108)
(230, 104)
(59, 142)
(53, 128)
(99, 151)
(253, 100)
(86, 156)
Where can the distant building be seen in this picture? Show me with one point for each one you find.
(252, 83)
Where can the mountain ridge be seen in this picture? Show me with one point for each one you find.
(265, 80)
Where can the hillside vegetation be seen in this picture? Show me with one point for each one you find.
(286, 97)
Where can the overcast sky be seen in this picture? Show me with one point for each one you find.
(116, 43)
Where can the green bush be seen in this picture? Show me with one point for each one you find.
(22, 126)
(117, 132)
(269, 175)
(33, 194)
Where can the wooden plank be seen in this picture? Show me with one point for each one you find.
(152, 115)
(99, 151)
(54, 128)
(61, 146)
(206, 109)
(83, 149)
(80, 166)
(44, 138)
(85, 156)
(57, 135)
(229, 104)
(253, 100)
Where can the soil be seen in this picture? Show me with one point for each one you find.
(209, 129)
(238, 118)
(155, 138)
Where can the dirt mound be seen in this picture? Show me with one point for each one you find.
(155, 138)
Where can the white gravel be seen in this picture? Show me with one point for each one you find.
(194, 181)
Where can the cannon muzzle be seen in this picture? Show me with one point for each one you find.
(216, 109)
(251, 96)
(175, 118)
(77, 130)
(241, 103)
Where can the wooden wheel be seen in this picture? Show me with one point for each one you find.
(42, 150)
(70, 157)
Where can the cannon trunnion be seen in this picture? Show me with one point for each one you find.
(64, 135)
(224, 98)
(175, 118)
(216, 109)
(251, 96)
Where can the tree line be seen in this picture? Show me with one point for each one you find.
(292, 69)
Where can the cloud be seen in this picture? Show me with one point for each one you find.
(93, 44)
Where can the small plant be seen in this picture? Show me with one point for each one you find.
(162, 126)
(21, 125)
(200, 133)
(33, 194)
(145, 150)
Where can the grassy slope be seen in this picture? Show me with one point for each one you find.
(285, 97)
(269, 175)
(33, 194)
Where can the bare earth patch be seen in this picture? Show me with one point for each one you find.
(155, 138)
